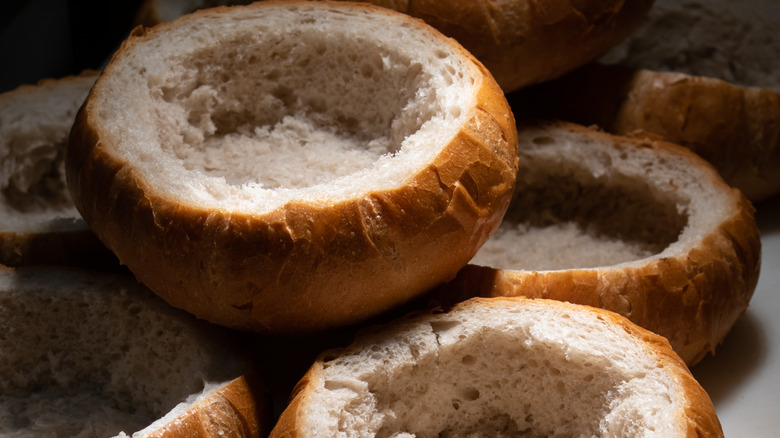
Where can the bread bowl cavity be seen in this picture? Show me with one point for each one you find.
(291, 150)
(321, 113)
(502, 367)
(88, 354)
(646, 229)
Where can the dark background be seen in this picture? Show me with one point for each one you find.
(54, 38)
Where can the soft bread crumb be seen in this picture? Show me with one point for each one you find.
(34, 124)
(558, 246)
(495, 370)
(356, 114)
(585, 203)
(87, 354)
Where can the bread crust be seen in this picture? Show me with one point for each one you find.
(525, 42)
(234, 410)
(697, 412)
(692, 298)
(302, 267)
(735, 128)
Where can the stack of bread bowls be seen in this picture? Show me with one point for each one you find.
(287, 169)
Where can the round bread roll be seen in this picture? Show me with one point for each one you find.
(645, 229)
(288, 167)
(703, 74)
(521, 42)
(38, 222)
(502, 367)
(735, 128)
(89, 354)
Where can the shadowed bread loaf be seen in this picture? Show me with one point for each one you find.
(293, 166)
(38, 221)
(89, 354)
(705, 75)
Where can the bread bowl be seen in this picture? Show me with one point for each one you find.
(86, 353)
(521, 42)
(412, 160)
(502, 367)
(643, 228)
(38, 221)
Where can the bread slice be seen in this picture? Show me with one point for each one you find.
(88, 354)
(645, 229)
(502, 367)
(38, 221)
(271, 168)
(520, 42)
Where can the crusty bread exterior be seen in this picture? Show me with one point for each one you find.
(502, 367)
(304, 265)
(87, 353)
(521, 42)
(691, 290)
(735, 128)
(525, 42)
(38, 222)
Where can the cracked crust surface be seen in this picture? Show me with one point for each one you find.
(330, 254)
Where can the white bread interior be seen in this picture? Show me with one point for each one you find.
(35, 121)
(590, 202)
(88, 354)
(261, 118)
(501, 367)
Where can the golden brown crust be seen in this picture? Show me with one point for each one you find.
(693, 299)
(696, 412)
(735, 128)
(529, 42)
(238, 409)
(303, 267)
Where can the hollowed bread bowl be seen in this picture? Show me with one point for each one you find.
(502, 367)
(645, 229)
(89, 354)
(289, 167)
